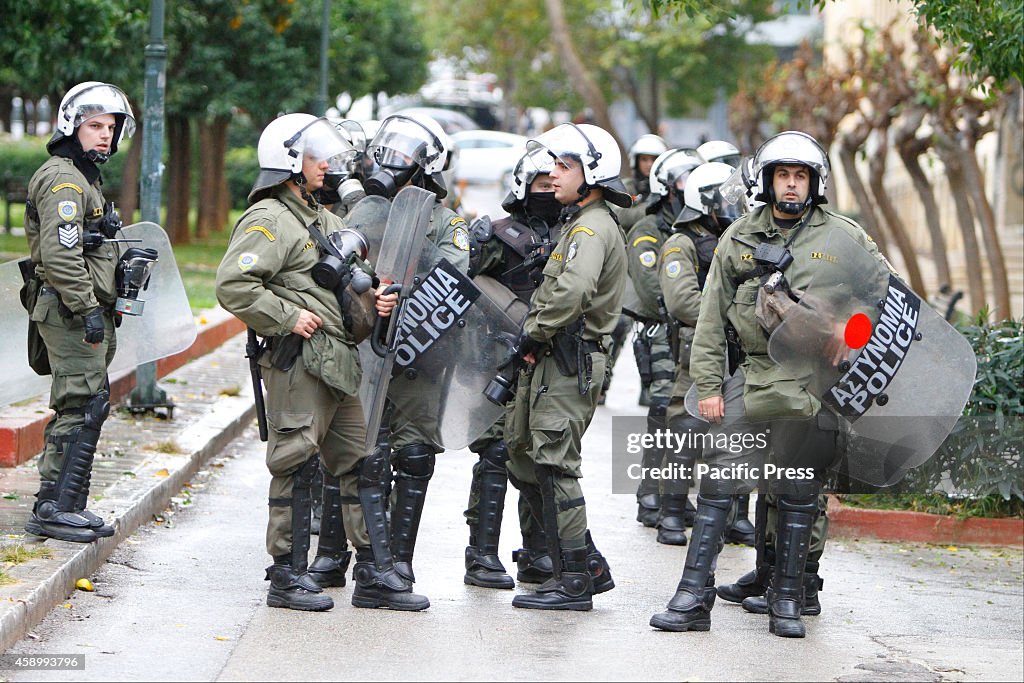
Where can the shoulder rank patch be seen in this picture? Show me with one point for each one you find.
(673, 269)
(582, 229)
(648, 258)
(67, 211)
(672, 250)
(571, 254)
(461, 237)
(64, 186)
(260, 228)
(457, 220)
(247, 261)
(67, 235)
(644, 238)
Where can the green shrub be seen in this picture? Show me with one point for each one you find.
(21, 158)
(241, 168)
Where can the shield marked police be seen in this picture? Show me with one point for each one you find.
(395, 262)
(166, 327)
(370, 217)
(903, 391)
(451, 343)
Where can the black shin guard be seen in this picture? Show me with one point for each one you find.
(332, 553)
(690, 607)
(414, 465)
(483, 567)
(785, 597)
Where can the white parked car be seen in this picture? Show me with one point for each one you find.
(487, 156)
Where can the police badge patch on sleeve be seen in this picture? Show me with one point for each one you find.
(67, 235)
(673, 269)
(461, 239)
(247, 261)
(67, 211)
(648, 259)
(571, 254)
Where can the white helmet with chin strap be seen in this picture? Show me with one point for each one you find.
(288, 139)
(707, 198)
(405, 143)
(650, 145)
(593, 147)
(791, 148)
(669, 170)
(526, 171)
(87, 100)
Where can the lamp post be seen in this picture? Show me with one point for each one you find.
(147, 395)
(325, 38)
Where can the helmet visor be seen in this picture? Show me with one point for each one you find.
(402, 143)
(99, 99)
(565, 144)
(734, 189)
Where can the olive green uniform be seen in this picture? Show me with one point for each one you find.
(75, 282)
(265, 280)
(585, 275)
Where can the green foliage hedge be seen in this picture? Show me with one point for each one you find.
(21, 158)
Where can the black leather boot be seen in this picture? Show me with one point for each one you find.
(742, 530)
(785, 596)
(96, 523)
(378, 583)
(671, 520)
(597, 566)
(811, 606)
(292, 589)
(332, 554)
(571, 588)
(533, 560)
(752, 584)
(483, 568)
(690, 607)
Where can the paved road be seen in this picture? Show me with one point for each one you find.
(184, 599)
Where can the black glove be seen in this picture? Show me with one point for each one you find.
(94, 327)
(526, 345)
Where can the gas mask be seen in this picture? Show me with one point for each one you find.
(132, 276)
(385, 181)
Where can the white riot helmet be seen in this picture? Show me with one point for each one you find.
(403, 145)
(89, 99)
(289, 138)
(649, 144)
(796, 149)
(720, 150)
(591, 146)
(526, 171)
(715, 195)
(670, 171)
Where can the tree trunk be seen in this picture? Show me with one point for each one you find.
(848, 146)
(910, 149)
(128, 200)
(213, 191)
(951, 159)
(179, 143)
(986, 217)
(876, 180)
(584, 84)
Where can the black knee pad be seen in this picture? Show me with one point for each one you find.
(97, 409)
(415, 462)
(373, 469)
(494, 456)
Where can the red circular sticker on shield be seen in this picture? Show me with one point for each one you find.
(858, 331)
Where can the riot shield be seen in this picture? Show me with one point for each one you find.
(451, 343)
(394, 262)
(904, 386)
(370, 217)
(166, 327)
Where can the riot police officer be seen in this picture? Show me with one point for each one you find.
(411, 149)
(720, 151)
(512, 251)
(562, 342)
(778, 241)
(68, 223)
(311, 367)
(651, 343)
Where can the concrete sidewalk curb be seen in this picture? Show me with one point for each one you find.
(145, 495)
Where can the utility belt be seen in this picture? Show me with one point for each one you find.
(572, 354)
(62, 308)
